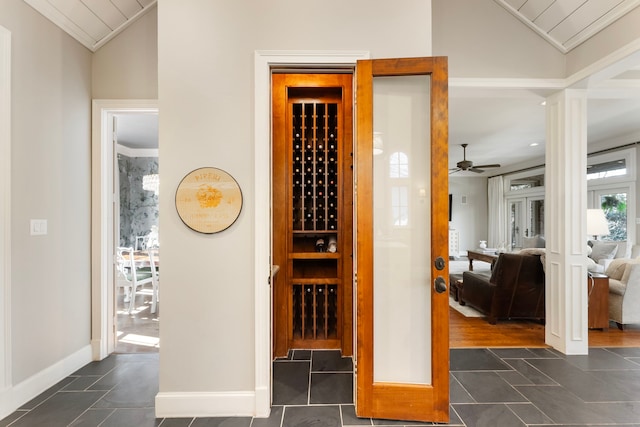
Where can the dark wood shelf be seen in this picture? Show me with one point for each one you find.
(314, 255)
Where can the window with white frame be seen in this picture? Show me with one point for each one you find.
(399, 172)
(611, 186)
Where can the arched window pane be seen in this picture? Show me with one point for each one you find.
(398, 165)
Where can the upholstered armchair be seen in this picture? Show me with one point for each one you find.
(624, 291)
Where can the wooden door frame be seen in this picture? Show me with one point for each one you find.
(282, 248)
(264, 61)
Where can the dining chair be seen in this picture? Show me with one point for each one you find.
(155, 275)
(130, 276)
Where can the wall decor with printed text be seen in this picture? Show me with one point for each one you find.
(208, 200)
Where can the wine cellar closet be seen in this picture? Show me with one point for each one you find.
(312, 191)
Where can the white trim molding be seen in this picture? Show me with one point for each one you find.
(264, 61)
(205, 404)
(137, 152)
(102, 217)
(5, 210)
(19, 394)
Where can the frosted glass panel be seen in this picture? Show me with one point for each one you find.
(402, 241)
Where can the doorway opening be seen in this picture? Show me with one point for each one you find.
(312, 222)
(137, 188)
(105, 234)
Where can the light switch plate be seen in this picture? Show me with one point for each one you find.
(38, 227)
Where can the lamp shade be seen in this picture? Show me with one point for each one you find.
(597, 224)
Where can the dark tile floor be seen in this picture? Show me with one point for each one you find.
(489, 387)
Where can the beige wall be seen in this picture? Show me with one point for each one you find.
(51, 85)
(470, 220)
(127, 66)
(206, 97)
(622, 32)
(482, 39)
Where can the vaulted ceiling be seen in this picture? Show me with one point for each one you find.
(563, 23)
(567, 23)
(479, 119)
(92, 22)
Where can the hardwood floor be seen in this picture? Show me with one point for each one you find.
(469, 332)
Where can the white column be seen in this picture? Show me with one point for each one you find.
(565, 222)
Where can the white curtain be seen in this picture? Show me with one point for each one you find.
(497, 216)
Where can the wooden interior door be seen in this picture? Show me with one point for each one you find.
(402, 351)
(312, 211)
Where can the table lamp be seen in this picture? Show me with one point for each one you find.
(597, 224)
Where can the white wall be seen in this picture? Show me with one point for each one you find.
(470, 219)
(127, 66)
(623, 32)
(50, 179)
(482, 39)
(206, 80)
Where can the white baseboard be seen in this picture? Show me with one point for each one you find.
(17, 395)
(98, 349)
(205, 404)
(263, 400)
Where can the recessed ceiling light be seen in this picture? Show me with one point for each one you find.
(543, 103)
(533, 144)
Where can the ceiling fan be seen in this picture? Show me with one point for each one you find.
(467, 165)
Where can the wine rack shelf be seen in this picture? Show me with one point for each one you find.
(315, 311)
(315, 166)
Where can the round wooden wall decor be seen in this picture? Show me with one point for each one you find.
(208, 200)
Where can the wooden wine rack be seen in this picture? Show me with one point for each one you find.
(312, 139)
(315, 166)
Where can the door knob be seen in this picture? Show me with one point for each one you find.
(440, 285)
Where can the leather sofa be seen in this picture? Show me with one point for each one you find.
(514, 290)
